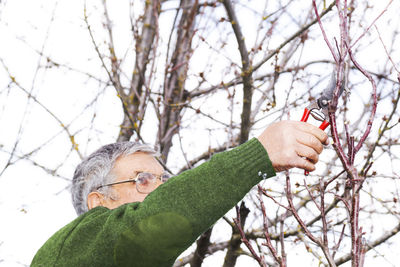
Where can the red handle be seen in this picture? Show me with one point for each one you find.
(306, 114)
(323, 126)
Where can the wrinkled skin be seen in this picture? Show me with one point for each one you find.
(293, 144)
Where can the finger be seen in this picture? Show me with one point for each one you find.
(311, 141)
(307, 152)
(303, 163)
(317, 132)
(327, 142)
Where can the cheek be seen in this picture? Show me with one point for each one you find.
(139, 198)
(131, 195)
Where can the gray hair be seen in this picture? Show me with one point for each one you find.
(94, 170)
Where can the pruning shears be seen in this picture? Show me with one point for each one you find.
(318, 108)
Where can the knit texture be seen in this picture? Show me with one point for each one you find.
(156, 231)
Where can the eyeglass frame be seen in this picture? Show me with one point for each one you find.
(158, 177)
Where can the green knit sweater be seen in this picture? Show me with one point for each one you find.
(156, 231)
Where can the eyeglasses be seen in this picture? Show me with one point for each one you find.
(145, 181)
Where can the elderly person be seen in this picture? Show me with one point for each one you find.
(131, 216)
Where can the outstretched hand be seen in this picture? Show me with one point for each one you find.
(293, 144)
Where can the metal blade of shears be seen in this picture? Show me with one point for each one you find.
(327, 94)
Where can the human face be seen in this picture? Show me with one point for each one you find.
(127, 167)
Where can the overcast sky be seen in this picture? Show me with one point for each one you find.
(33, 203)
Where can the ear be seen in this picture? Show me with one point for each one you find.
(94, 200)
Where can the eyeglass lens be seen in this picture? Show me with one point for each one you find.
(147, 182)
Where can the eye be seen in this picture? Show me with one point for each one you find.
(165, 176)
(144, 178)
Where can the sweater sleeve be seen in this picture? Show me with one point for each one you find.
(155, 231)
(204, 194)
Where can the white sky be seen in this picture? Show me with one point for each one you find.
(34, 204)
